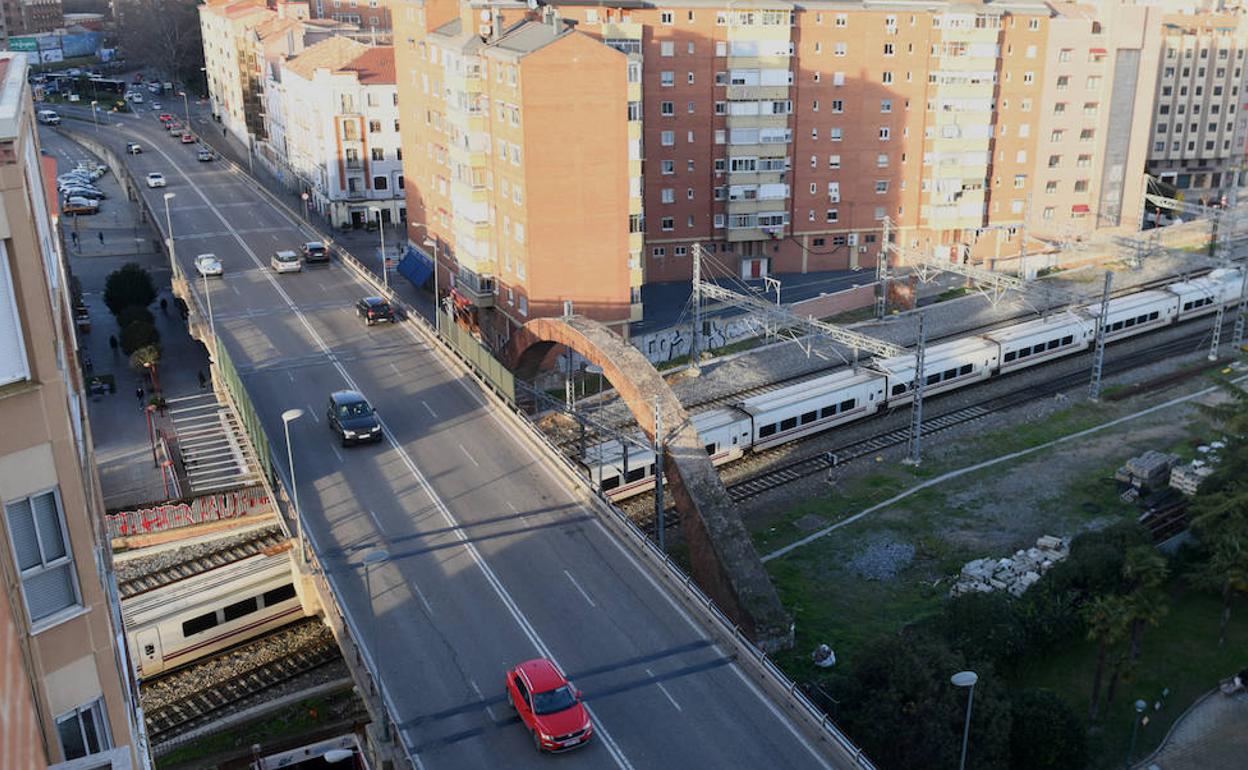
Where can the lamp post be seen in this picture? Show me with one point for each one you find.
(966, 679)
(437, 318)
(169, 228)
(1135, 728)
(376, 556)
(381, 228)
(212, 323)
(94, 118)
(303, 196)
(186, 105)
(289, 416)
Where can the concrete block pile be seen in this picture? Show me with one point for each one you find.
(1014, 573)
(1149, 471)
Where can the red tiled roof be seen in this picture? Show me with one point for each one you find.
(374, 67)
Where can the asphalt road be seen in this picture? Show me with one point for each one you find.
(491, 559)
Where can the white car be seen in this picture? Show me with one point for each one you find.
(285, 262)
(208, 265)
(155, 179)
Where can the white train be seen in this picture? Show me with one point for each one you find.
(795, 411)
(188, 619)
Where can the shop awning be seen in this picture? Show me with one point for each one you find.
(1079, 208)
(415, 267)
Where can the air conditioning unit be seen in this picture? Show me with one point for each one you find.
(862, 249)
(852, 239)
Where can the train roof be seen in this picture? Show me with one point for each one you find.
(1057, 321)
(806, 391)
(1207, 285)
(936, 354)
(1132, 301)
(249, 571)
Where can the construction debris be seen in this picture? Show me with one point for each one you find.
(1014, 574)
(1150, 471)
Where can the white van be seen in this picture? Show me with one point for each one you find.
(48, 117)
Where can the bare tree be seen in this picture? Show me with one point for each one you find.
(162, 35)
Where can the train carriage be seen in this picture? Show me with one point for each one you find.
(1137, 313)
(1201, 296)
(809, 407)
(1042, 340)
(946, 366)
(176, 624)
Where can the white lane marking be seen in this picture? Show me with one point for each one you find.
(312, 414)
(421, 595)
(504, 596)
(337, 454)
(469, 456)
(291, 376)
(665, 692)
(477, 690)
(396, 371)
(582, 590)
(432, 413)
(376, 521)
(523, 516)
(235, 289)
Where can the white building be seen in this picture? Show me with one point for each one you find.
(341, 130)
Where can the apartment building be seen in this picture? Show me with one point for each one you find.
(230, 63)
(340, 130)
(66, 663)
(1201, 77)
(523, 151)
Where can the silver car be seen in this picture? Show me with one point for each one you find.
(285, 261)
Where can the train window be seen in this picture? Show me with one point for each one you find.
(734, 440)
(899, 388)
(932, 379)
(239, 609)
(966, 369)
(1024, 352)
(810, 417)
(767, 430)
(279, 594)
(710, 449)
(610, 483)
(1188, 305)
(1153, 316)
(788, 423)
(1142, 319)
(829, 411)
(1054, 344)
(651, 469)
(949, 374)
(846, 405)
(635, 474)
(1010, 356)
(199, 624)
(1067, 340)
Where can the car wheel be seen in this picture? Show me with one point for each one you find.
(346, 442)
(537, 742)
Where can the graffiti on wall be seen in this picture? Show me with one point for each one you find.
(184, 513)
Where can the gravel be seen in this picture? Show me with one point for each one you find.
(127, 569)
(881, 559)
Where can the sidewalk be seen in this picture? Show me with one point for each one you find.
(123, 450)
(1212, 735)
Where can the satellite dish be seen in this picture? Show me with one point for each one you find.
(532, 5)
(485, 14)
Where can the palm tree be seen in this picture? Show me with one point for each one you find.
(1107, 620)
(1146, 604)
(1226, 570)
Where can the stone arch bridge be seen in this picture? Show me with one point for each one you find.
(725, 563)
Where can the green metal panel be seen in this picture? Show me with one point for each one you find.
(486, 365)
(246, 411)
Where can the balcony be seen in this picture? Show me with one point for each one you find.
(476, 289)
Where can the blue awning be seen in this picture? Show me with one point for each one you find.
(415, 267)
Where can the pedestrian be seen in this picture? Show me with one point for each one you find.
(112, 343)
(203, 381)
(101, 234)
(164, 305)
(138, 392)
(73, 236)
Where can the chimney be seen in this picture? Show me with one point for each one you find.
(496, 22)
(552, 17)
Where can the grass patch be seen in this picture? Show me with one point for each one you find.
(954, 293)
(852, 316)
(1180, 654)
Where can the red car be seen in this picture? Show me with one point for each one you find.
(165, 117)
(548, 705)
(188, 137)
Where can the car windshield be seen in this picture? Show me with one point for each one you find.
(553, 701)
(354, 409)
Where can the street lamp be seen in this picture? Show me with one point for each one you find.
(186, 106)
(169, 228)
(437, 320)
(212, 322)
(289, 416)
(381, 228)
(966, 679)
(1135, 728)
(376, 556)
(95, 119)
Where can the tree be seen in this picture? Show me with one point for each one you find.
(1146, 604)
(1107, 619)
(128, 286)
(129, 315)
(900, 705)
(137, 335)
(984, 627)
(163, 35)
(1045, 733)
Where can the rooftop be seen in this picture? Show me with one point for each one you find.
(332, 54)
(374, 67)
(12, 87)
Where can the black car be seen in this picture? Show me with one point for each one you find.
(352, 418)
(374, 310)
(315, 251)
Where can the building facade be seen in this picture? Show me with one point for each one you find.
(41, 16)
(341, 131)
(230, 64)
(54, 561)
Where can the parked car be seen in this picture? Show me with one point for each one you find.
(204, 155)
(164, 117)
(83, 192)
(73, 178)
(374, 310)
(155, 179)
(351, 417)
(155, 106)
(134, 148)
(315, 251)
(548, 705)
(176, 131)
(136, 97)
(48, 117)
(80, 206)
(188, 137)
(208, 265)
(285, 261)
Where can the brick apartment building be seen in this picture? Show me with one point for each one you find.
(67, 694)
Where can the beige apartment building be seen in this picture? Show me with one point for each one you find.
(64, 667)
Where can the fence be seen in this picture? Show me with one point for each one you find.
(184, 513)
(474, 353)
(244, 408)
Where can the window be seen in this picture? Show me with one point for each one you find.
(374, 126)
(666, 17)
(881, 186)
(84, 731)
(667, 166)
(1020, 181)
(667, 138)
(279, 594)
(881, 160)
(834, 161)
(239, 609)
(44, 562)
(834, 134)
(1081, 186)
(658, 251)
(668, 195)
(381, 183)
(885, 132)
(838, 105)
(667, 223)
(886, 77)
(667, 79)
(378, 153)
(1050, 187)
(199, 624)
(832, 215)
(667, 109)
(886, 105)
(667, 48)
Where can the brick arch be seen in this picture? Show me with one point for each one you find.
(725, 563)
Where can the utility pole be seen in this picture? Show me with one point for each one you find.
(658, 476)
(1022, 242)
(916, 406)
(1241, 309)
(1223, 230)
(695, 344)
(1098, 357)
(881, 272)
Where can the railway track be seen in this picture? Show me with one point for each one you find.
(199, 703)
(641, 507)
(570, 445)
(228, 553)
